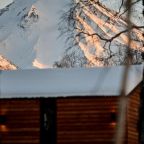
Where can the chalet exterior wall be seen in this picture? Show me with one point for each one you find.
(78, 120)
(133, 121)
(86, 120)
(22, 125)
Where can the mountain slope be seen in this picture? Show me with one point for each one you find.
(17, 36)
(30, 36)
(6, 65)
(101, 34)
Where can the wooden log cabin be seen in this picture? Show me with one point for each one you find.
(67, 106)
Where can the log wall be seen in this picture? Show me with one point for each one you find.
(86, 120)
(77, 120)
(133, 116)
(23, 121)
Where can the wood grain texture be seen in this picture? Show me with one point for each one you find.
(23, 121)
(133, 116)
(85, 120)
(79, 120)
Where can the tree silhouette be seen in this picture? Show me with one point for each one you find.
(101, 33)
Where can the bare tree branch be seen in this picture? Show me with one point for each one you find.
(133, 3)
(93, 26)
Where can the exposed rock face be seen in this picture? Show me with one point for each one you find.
(6, 65)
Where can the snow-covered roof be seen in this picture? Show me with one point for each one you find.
(67, 82)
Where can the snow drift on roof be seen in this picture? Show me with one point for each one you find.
(67, 82)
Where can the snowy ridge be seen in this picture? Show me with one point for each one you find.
(17, 35)
(68, 82)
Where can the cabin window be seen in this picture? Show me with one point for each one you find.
(3, 119)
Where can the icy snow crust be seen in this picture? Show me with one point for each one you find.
(67, 82)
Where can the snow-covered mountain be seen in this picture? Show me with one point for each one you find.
(30, 36)
(17, 35)
(29, 31)
(101, 33)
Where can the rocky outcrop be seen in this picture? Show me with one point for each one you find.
(6, 65)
